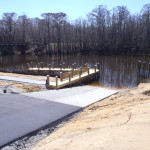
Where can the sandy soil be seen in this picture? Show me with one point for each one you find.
(39, 78)
(120, 122)
(22, 86)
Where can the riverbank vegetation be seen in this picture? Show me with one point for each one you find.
(103, 31)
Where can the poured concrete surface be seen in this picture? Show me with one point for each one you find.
(20, 115)
(23, 114)
(78, 96)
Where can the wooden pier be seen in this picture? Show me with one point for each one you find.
(67, 76)
(69, 79)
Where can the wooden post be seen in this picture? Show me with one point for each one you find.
(75, 65)
(49, 67)
(61, 76)
(53, 64)
(32, 64)
(72, 66)
(42, 65)
(72, 73)
(56, 81)
(88, 70)
(80, 72)
(38, 67)
(69, 77)
(47, 81)
(64, 65)
(60, 67)
(95, 68)
(98, 67)
(28, 65)
(88, 74)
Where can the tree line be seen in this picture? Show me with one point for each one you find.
(101, 32)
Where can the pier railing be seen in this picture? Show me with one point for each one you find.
(68, 79)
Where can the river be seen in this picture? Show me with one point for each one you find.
(115, 71)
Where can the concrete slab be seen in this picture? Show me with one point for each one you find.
(23, 114)
(20, 115)
(22, 80)
(78, 96)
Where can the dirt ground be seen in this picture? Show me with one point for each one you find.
(39, 78)
(120, 122)
(22, 86)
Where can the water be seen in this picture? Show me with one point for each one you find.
(115, 71)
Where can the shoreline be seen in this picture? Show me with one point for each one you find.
(23, 87)
(125, 113)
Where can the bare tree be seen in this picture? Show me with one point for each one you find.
(103, 31)
(9, 23)
(146, 26)
(47, 17)
(9, 29)
(58, 20)
(100, 16)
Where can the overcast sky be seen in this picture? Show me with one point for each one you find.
(73, 8)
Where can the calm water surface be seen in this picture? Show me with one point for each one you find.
(116, 71)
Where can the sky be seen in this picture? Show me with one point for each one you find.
(73, 8)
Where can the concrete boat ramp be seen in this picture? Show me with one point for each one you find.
(21, 114)
(80, 96)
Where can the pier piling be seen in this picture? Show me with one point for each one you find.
(47, 81)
